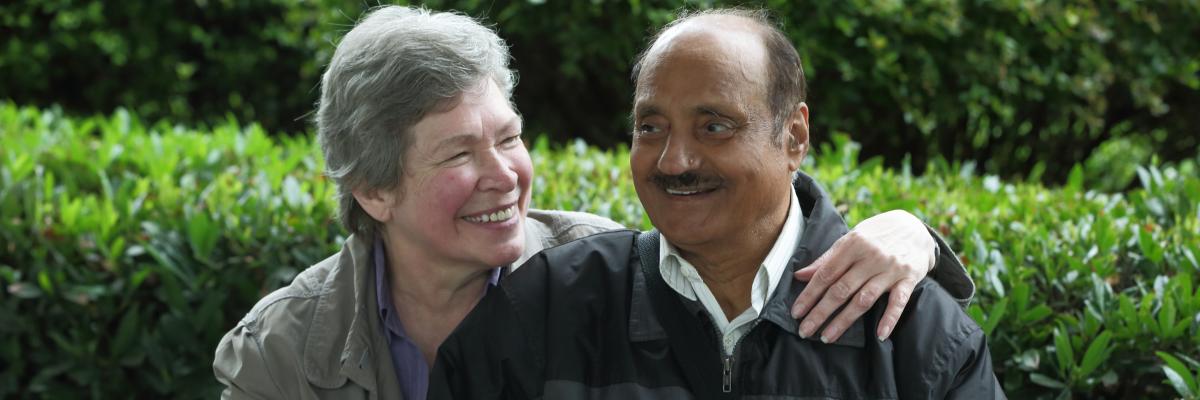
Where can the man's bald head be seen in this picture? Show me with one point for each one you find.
(785, 85)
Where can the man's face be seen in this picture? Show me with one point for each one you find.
(704, 161)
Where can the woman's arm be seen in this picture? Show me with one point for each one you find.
(887, 253)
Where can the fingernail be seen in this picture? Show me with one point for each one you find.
(797, 310)
(806, 329)
(886, 330)
(824, 339)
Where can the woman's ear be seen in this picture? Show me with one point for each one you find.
(378, 203)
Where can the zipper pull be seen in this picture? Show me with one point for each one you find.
(727, 376)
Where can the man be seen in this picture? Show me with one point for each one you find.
(699, 308)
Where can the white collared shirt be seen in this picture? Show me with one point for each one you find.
(681, 276)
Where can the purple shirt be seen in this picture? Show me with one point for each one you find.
(411, 369)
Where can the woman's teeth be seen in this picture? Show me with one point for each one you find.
(502, 215)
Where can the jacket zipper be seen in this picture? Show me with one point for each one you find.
(727, 361)
(727, 376)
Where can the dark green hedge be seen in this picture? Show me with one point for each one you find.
(127, 250)
(1024, 88)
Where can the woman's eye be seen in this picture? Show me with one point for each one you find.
(511, 139)
(457, 156)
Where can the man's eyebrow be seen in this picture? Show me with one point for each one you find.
(712, 110)
(645, 109)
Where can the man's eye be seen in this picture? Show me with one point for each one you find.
(457, 156)
(717, 127)
(647, 129)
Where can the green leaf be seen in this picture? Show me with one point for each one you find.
(1036, 314)
(126, 334)
(1146, 316)
(1063, 350)
(1166, 316)
(1020, 294)
(995, 316)
(976, 313)
(1125, 310)
(20, 165)
(202, 235)
(1096, 354)
(1046, 381)
(1150, 247)
(1178, 375)
(44, 282)
(1075, 179)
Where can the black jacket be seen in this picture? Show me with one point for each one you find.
(594, 319)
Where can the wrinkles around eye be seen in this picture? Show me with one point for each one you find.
(718, 127)
(647, 129)
(514, 139)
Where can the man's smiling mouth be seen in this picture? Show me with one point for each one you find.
(688, 191)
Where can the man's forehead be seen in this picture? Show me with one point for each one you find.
(734, 56)
(720, 35)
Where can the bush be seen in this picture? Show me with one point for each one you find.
(1010, 84)
(128, 250)
(187, 60)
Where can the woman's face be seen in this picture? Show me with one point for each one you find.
(465, 190)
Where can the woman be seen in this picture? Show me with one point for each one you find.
(421, 138)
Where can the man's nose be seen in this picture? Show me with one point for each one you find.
(496, 172)
(678, 155)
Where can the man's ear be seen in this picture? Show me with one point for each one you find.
(378, 203)
(796, 140)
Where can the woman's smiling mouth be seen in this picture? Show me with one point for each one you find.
(496, 216)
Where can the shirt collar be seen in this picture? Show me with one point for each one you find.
(776, 263)
(774, 266)
(822, 227)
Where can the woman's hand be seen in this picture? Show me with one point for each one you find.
(889, 252)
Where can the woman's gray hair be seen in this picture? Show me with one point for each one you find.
(397, 65)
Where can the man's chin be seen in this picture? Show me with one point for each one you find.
(684, 231)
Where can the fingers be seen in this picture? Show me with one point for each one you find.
(880, 255)
(805, 274)
(826, 270)
(862, 301)
(841, 291)
(896, 303)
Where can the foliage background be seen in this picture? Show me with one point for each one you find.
(1022, 87)
(1055, 143)
(129, 249)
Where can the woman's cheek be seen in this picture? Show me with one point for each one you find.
(452, 190)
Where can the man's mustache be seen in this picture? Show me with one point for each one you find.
(686, 180)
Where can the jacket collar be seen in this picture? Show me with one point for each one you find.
(822, 227)
(345, 339)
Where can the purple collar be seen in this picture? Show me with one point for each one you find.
(411, 370)
(383, 289)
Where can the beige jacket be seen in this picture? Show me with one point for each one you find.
(320, 337)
